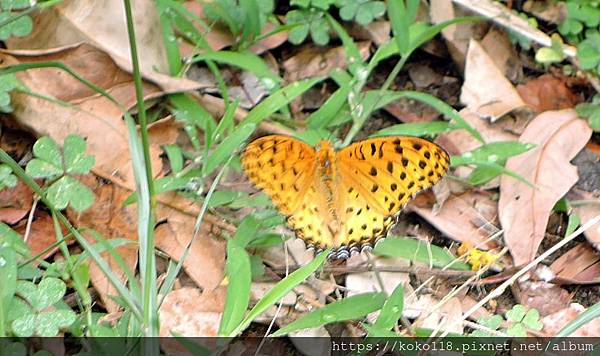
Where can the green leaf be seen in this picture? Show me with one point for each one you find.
(245, 60)
(588, 315)
(50, 290)
(419, 129)
(491, 321)
(48, 161)
(7, 179)
(76, 161)
(280, 290)
(238, 291)
(226, 148)
(175, 156)
(8, 278)
(416, 250)
(349, 308)
(516, 330)
(516, 314)
(532, 320)
(392, 310)
(50, 323)
(68, 190)
(12, 240)
(25, 325)
(572, 224)
(495, 152)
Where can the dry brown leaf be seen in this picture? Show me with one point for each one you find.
(579, 265)
(524, 210)
(41, 234)
(486, 91)
(548, 92)
(314, 61)
(470, 217)
(206, 260)
(497, 45)
(448, 317)
(190, 312)
(457, 36)
(110, 219)
(15, 203)
(587, 212)
(546, 297)
(90, 115)
(553, 323)
(70, 23)
(377, 32)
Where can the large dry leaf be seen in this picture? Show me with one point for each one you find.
(553, 323)
(579, 265)
(111, 219)
(504, 54)
(486, 91)
(548, 92)
(546, 297)
(315, 61)
(15, 203)
(524, 210)
(470, 217)
(206, 261)
(89, 115)
(190, 313)
(71, 23)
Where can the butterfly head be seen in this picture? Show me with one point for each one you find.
(326, 155)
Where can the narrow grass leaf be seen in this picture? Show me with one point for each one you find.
(323, 117)
(590, 314)
(493, 152)
(244, 60)
(279, 99)
(350, 308)
(415, 129)
(400, 21)
(280, 290)
(238, 291)
(392, 310)
(226, 148)
(418, 251)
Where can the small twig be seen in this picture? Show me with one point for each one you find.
(30, 218)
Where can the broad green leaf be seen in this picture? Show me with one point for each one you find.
(495, 152)
(68, 190)
(76, 161)
(12, 240)
(349, 308)
(47, 150)
(516, 314)
(51, 322)
(50, 290)
(416, 250)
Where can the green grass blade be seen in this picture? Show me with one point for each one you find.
(280, 290)
(590, 314)
(244, 60)
(415, 129)
(392, 310)
(238, 290)
(350, 308)
(416, 250)
(279, 99)
(226, 148)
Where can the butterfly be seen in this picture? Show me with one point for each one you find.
(348, 199)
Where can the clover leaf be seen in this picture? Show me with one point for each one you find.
(317, 4)
(19, 28)
(8, 82)
(588, 51)
(33, 317)
(532, 320)
(308, 21)
(57, 167)
(591, 111)
(362, 11)
(7, 179)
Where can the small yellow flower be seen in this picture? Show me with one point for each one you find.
(476, 258)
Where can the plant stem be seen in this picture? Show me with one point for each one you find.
(146, 233)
